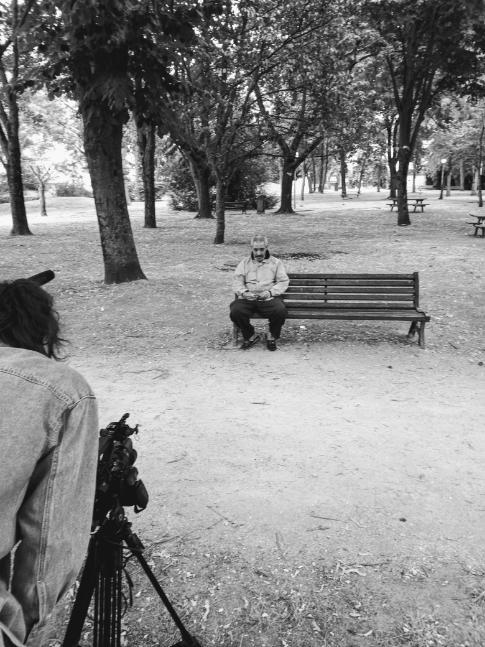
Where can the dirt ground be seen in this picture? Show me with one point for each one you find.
(328, 494)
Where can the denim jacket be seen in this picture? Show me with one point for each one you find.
(48, 455)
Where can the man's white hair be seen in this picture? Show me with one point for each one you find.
(259, 238)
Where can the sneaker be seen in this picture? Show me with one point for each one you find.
(247, 343)
(271, 344)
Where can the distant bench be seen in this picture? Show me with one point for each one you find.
(372, 297)
(234, 206)
(479, 224)
(412, 203)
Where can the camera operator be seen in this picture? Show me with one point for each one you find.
(49, 451)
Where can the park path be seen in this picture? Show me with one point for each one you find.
(341, 447)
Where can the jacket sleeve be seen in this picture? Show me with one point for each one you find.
(281, 280)
(54, 520)
(239, 281)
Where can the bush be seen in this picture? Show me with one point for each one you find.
(183, 199)
(69, 190)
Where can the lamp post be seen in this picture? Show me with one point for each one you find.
(443, 162)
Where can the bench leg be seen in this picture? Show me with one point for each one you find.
(412, 329)
(417, 327)
(421, 334)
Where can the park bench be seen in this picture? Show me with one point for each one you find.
(235, 206)
(362, 297)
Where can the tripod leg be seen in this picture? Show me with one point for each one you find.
(187, 639)
(83, 598)
(107, 609)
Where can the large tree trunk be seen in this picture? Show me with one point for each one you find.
(146, 148)
(102, 141)
(20, 226)
(220, 213)
(287, 177)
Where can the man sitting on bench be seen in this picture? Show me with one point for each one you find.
(258, 282)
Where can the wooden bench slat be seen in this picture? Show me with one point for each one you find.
(355, 305)
(347, 281)
(402, 315)
(299, 275)
(317, 299)
(333, 289)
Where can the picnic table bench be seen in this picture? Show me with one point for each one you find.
(415, 203)
(362, 297)
(479, 224)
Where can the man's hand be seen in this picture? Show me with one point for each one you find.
(266, 294)
(249, 296)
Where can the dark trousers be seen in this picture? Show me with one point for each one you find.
(274, 310)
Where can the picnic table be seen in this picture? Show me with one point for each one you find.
(415, 203)
(479, 224)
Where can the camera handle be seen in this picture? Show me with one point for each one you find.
(102, 577)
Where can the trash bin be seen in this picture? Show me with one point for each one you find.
(260, 204)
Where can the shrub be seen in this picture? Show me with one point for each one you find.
(69, 190)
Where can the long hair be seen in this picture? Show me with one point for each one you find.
(28, 319)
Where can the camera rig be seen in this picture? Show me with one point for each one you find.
(117, 485)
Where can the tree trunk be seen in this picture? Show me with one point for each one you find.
(102, 141)
(313, 180)
(287, 186)
(43, 210)
(146, 147)
(480, 163)
(303, 178)
(361, 173)
(201, 177)
(448, 182)
(322, 170)
(402, 189)
(20, 226)
(474, 181)
(343, 171)
(393, 180)
(379, 177)
(462, 176)
(220, 214)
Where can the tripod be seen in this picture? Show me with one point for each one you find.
(102, 576)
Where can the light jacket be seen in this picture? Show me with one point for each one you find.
(267, 275)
